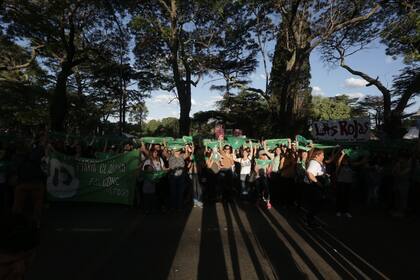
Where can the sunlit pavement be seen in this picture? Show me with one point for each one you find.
(221, 241)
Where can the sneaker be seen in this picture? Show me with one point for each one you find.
(348, 215)
(199, 204)
(268, 205)
(338, 214)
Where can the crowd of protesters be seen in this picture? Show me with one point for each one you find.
(286, 175)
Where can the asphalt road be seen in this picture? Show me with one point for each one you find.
(221, 241)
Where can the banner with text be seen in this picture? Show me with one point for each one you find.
(111, 180)
(342, 130)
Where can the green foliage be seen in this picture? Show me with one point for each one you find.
(332, 108)
(165, 127)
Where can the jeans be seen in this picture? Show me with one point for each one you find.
(177, 186)
(263, 189)
(197, 188)
(224, 183)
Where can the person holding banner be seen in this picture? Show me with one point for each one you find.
(287, 172)
(245, 171)
(194, 169)
(225, 175)
(275, 181)
(262, 169)
(177, 177)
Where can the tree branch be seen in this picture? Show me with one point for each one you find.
(34, 54)
(385, 92)
(334, 28)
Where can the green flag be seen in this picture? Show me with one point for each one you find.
(92, 180)
(235, 142)
(152, 140)
(263, 162)
(153, 176)
(273, 143)
(324, 147)
(187, 139)
(302, 141)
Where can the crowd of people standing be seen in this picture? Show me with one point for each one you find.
(287, 175)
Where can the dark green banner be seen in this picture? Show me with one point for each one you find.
(109, 180)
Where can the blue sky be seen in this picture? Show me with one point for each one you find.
(325, 81)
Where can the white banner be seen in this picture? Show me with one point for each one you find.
(342, 130)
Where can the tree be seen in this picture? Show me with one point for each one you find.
(233, 54)
(70, 33)
(396, 25)
(332, 108)
(373, 106)
(179, 41)
(304, 26)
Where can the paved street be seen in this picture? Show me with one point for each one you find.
(222, 241)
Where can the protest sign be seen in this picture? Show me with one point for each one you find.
(342, 130)
(109, 180)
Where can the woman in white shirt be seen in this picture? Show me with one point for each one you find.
(246, 162)
(315, 170)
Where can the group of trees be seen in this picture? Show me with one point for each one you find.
(90, 61)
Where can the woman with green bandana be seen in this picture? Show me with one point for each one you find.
(245, 161)
(275, 171)
(262, 169)
(194, 169)
(177, 177)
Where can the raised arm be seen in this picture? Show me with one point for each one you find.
(270, 155)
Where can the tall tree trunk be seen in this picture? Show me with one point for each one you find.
(58, 105)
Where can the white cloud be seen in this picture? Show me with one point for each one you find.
(317, 91)
(163, 99)
(358, 95)
(263, 76)
(209, 104)
(354, 83)
(193, 102)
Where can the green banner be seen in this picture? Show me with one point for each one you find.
(236, 142)
(273, 143)
(263, 163)
(111, 180)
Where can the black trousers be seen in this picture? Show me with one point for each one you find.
(314, 198)
(343, 197)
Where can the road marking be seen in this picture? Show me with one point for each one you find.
(323, 267)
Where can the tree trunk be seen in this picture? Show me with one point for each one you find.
(58, 105)
(184, 97)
